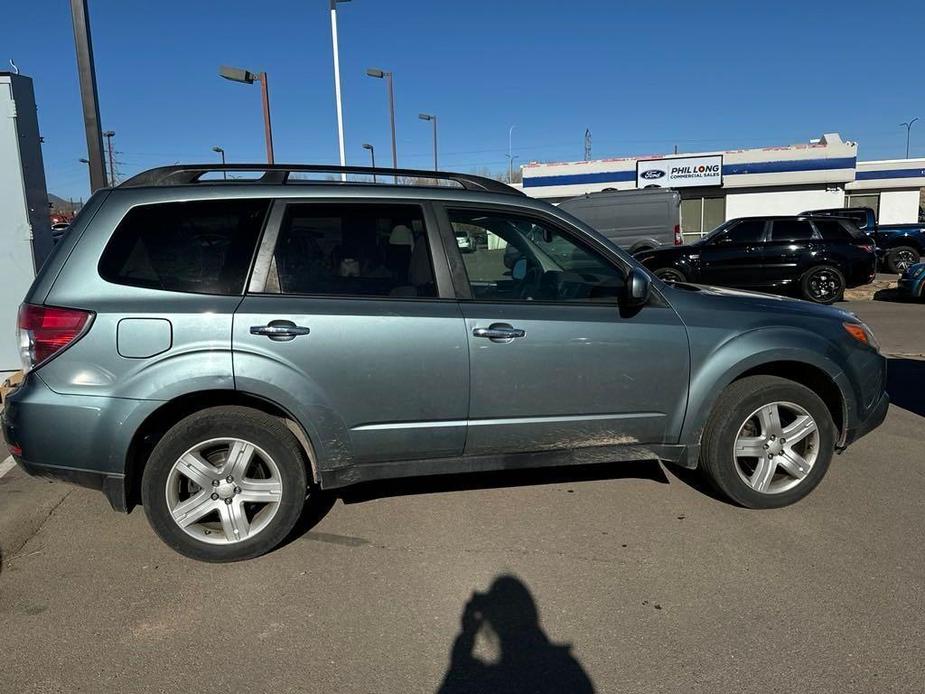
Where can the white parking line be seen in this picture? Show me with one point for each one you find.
(6, 466)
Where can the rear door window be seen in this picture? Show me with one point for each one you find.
(361, 250)
(203, 247)
(791, 230)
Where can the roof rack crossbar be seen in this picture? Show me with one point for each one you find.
(186, 174)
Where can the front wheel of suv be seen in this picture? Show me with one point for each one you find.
(768, 442)
(225, 484)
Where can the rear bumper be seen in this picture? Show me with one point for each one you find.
(79, 439)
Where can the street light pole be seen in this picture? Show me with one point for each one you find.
(219, 150)
(379, 74)
(109, 134)
(340, 111)
(372, 157)
(908, 132)
(510, 155)
(86, 73)
(433, 119)
(236, 74)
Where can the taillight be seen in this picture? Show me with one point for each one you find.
(46, 330)
(678, 240)
(869, 247)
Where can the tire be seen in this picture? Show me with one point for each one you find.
(264, 502)
(749, 480)
(670, 274)
(822, 284)
(899, 258)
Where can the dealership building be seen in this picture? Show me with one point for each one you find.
(716, 186)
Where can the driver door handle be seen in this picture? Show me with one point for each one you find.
(499, 332)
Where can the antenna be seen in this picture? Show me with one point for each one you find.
(587, 144)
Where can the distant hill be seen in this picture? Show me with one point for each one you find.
(60, 206)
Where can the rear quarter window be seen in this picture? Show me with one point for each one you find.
(835, 230)
(202, 247)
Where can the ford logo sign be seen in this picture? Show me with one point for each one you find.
(652, 174)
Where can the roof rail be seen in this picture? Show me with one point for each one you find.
(186, 174)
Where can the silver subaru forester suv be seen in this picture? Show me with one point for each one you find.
(222, 348)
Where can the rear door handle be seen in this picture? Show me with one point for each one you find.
(499, 332)
(280, 330)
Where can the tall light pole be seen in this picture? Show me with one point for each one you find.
(372, 156)
(109, 134)
(908, 127)
(380, 74)
(340, 108)
(86, 72)
(433, 119)
(219, 150)
(236, 74)
(510, 154)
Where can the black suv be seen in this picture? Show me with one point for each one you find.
(816, 255)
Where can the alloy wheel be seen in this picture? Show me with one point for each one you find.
(824, 285)
(903, 259)
(776, 447)
(223, 491)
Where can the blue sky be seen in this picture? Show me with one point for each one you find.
(642, 76)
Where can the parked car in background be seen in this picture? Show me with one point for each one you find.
(898, 245)
(912, 281)
(58, 229)
(815, 256)
(637, 220)
(203, 348)
(464, 240)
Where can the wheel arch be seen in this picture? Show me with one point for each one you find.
(172, 411)
(805, 363)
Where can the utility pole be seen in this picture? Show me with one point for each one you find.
(86, 73)
(587, 144)
(109, 134)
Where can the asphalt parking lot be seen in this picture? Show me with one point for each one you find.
(643, 582)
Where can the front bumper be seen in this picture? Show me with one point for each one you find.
(911, 287)
(871, 421)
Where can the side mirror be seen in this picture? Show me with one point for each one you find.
(638, 288)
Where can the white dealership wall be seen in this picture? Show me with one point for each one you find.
(747, 204)
(767, 180)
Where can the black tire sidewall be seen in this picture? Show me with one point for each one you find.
(670, 270)
(737, 402)
(265, 431)
(804, 284)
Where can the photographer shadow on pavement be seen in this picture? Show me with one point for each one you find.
(526, 660)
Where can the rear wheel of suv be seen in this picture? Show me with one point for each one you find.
(225, 484)
(670, 274)
(768, 442)
(823, 284)
(900, 258)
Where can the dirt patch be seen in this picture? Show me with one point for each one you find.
(878, 290)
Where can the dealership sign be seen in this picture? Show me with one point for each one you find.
(680, 172)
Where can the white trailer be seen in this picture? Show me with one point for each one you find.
(25, 231)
